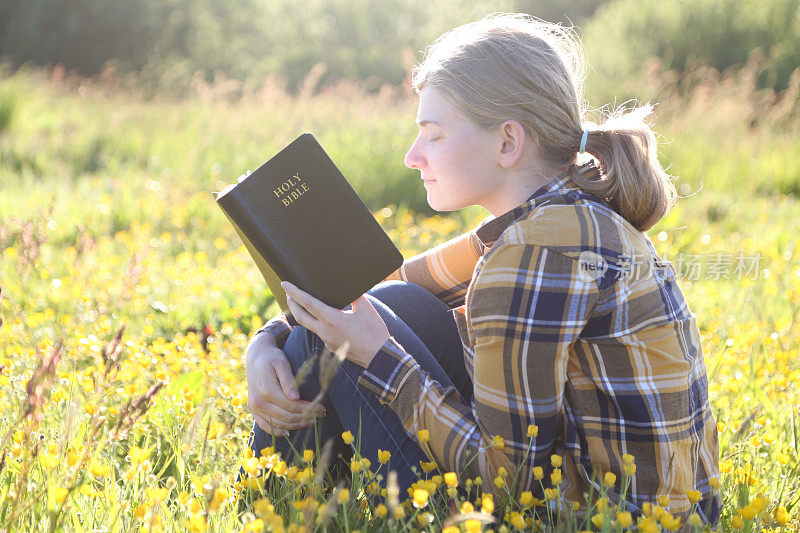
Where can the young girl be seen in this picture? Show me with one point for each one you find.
(551, 329)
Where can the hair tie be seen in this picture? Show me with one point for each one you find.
(584, 137)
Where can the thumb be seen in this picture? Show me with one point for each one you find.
(285, 377)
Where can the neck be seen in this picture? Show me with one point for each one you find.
(518, 187)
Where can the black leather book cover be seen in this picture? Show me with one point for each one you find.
(302, 222)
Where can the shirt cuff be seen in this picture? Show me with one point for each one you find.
(279, 328)
(388, 371)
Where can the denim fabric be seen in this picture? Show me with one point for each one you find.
(424, 326)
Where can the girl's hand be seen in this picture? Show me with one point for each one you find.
(272, 394)
(361, 329)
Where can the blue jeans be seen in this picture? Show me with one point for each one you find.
(424, 326)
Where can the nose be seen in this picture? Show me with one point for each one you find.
(413, 158)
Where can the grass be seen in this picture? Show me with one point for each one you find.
(128, 301)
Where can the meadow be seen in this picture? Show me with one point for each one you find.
(127, 302)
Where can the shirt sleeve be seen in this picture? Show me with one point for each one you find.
(444, 270)
(279, 327)
(529, 305)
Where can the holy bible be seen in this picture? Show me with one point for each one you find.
(302, 222)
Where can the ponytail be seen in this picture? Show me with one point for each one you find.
(632, 180)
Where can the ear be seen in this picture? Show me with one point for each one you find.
(512, 143)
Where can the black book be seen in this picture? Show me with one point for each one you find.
(302, 222)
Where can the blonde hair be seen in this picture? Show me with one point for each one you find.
(514, 66)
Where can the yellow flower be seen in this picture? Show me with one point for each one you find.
(280, 468)
(671, 522)
(355, 466)
(625, 519)
(551, 494)
(627, 459)
(498, 442)
(629, 470)
(48, 461)
(538, 472)
(308, 455)
(714, 483)
(695, 521)
(556, 478)
(694, 495)
(533, 431)
(19, 436)
(597, 520)
(499, 482)
(72, 458)
(487, 504)
(781, 515)
(344, 496)
(472, 525)
(424, 519)
(760, 502)
(384, 456)
(526, 499)
(555, 460)
(269, 450)
(450, 479)
(424, 435)
(428, 467)
(610, 479)
(451, 529)
(467, 508)
(255, 525)
(663, 500)
(737, 522)
(602, 504)
(420, 498)
(517, 520)
(60, 494)
(99, 469)
(749, 511)
(380, 511)
(347, 437)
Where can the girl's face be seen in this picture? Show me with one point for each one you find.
(457, 161)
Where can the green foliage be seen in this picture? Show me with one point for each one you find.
(7, 102)
(624, 34)
(371, 40)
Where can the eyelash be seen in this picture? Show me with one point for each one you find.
(434, 139)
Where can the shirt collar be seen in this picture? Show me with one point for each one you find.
(491, 228)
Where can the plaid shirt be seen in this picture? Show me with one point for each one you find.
(570, 322)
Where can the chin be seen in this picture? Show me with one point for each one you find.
(442, 207)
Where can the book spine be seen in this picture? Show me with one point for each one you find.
(238, 213)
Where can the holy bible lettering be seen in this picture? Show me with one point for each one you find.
(291, 189)
(326, 241)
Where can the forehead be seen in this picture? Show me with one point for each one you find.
(434, 107)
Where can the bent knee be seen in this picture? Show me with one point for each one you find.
(301, 345)
(394, 289)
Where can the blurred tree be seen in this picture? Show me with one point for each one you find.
(81, 34)
(624, 34)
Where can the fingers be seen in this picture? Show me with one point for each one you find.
(274, 419)
(315, 308)
(283, 370)
(303, 317)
